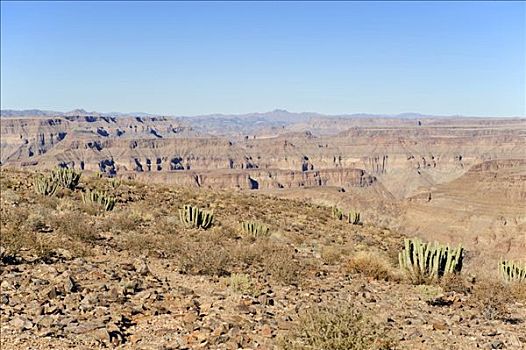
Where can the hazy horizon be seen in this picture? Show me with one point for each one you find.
(350, 114)
(179, 58)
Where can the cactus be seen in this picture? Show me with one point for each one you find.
(195, 217)
(105, 201)
(255, 229)
(337, 213)
(512, 271)
(67, 178)
(426, 261)
(46, 186)
(354, 217)
(115, 183)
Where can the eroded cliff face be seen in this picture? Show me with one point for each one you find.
(255, 179)
(403, 158)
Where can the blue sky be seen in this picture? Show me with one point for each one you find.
(233, 57)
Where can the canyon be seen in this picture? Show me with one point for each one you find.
(456, 179)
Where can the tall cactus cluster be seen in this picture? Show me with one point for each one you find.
(45, 185)
(337, 213)
(354, 217)
(115, 183)
(197, 218)
(512, 271)
(429, 261)
(100, 198)
(67, 178)
(255, 229)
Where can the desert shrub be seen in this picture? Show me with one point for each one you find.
(49, 202)
(336, 327)
(518, 291)
(167, 225)
(279, 262)
(331, 254)
(125, 220)
(68, 204)
(204, 258)
(246, 255)
(38, 245)
(492, 298)
(455, 283)
(371, 264)
(76, 226)
(429, 292)
(18, 232)
(241, 283)
(37, 220)
(10, 197)
(140, 243)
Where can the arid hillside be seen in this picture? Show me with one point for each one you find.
(139, 277)
(484, 209)
(454, 179)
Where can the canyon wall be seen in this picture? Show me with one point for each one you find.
(403, 158)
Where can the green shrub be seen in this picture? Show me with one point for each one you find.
(241, 283)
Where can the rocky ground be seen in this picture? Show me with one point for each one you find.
(135, 278)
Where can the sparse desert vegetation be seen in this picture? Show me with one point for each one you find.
(268, 175)
(77, 274)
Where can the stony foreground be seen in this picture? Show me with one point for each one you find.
(140, 304)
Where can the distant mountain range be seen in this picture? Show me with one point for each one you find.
(273, 122)
(75, 112)
(275, 115)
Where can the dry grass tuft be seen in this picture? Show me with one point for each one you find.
(492, 298)
(278, 261)
(518, 291)
(76, 226)
(332, 254)
(455, 283)
(337, 327)
(242, 283)
(372, 264)
(205, 257)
